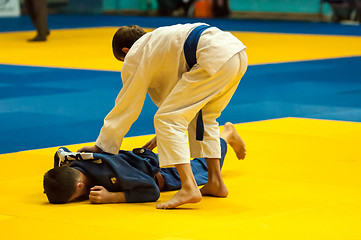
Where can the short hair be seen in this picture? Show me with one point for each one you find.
(59, 184)
(125, 36)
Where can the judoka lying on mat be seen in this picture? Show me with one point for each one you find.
(126, 177)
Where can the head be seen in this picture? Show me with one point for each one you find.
(64, 184)
(124, 39)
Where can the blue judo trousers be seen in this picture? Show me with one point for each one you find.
(131, 172)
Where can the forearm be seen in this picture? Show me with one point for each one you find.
(151, 144)
(143, 194)
(120, 118)
(116, 197)
(99, 194)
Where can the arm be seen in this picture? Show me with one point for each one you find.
(148, 193)
(134, 184)
(151, 144)
(93, 149)
(99, 194)
(128, 105)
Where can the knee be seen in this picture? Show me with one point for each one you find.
(160, 120)
(164, 121)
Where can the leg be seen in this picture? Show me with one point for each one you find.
(194, 91)
(171, 123)
(214, 107)
(199, 167)
(39, 16)
(211, 111)
(189, 193)
(215, 186)
(30, 9)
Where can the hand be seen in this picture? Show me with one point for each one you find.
(151, 144)
(93, 149)
(99, 194)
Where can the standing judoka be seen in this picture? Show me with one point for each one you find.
(191, 72)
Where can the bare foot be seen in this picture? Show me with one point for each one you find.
(215, 189)
(230, 135)
(180, 198)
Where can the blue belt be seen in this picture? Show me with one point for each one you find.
(190, 49)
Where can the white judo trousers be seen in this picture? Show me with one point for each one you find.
(196, 90)
(156, 65)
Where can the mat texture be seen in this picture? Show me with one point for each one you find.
(301, 177)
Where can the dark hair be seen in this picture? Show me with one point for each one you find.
(126, 36)
(59, 184)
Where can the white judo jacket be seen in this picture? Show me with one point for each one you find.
(154, 64)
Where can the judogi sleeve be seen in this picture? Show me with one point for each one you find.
(136, 76)
(136, 185)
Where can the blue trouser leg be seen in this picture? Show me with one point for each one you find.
(199, 168)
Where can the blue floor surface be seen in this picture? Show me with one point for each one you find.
(56, 107)
(23, 23)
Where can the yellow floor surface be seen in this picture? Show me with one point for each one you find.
(90, 48)
(300, 180)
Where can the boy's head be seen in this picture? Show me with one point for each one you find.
(60, 184)
(124, 38)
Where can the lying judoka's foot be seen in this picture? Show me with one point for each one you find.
(182, 197)
(215, 189)
(230, 135)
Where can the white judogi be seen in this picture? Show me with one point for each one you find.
(156, 64)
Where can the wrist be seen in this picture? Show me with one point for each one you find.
(98, 149)
(117, 197)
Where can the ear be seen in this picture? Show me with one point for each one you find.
(125, 50)
(80, 185)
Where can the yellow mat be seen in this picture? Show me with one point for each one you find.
(90, 48)
(300, 180)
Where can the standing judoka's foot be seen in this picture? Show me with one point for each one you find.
(182, 197)
(215, 189)
(189, 193)
(215, 186)
(230, 135)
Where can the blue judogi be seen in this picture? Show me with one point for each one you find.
(131, 172)
(125, 172)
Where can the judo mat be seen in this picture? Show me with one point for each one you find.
(298, 109)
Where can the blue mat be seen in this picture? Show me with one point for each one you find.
(45, 107)
(323, 89)
(23, 23)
